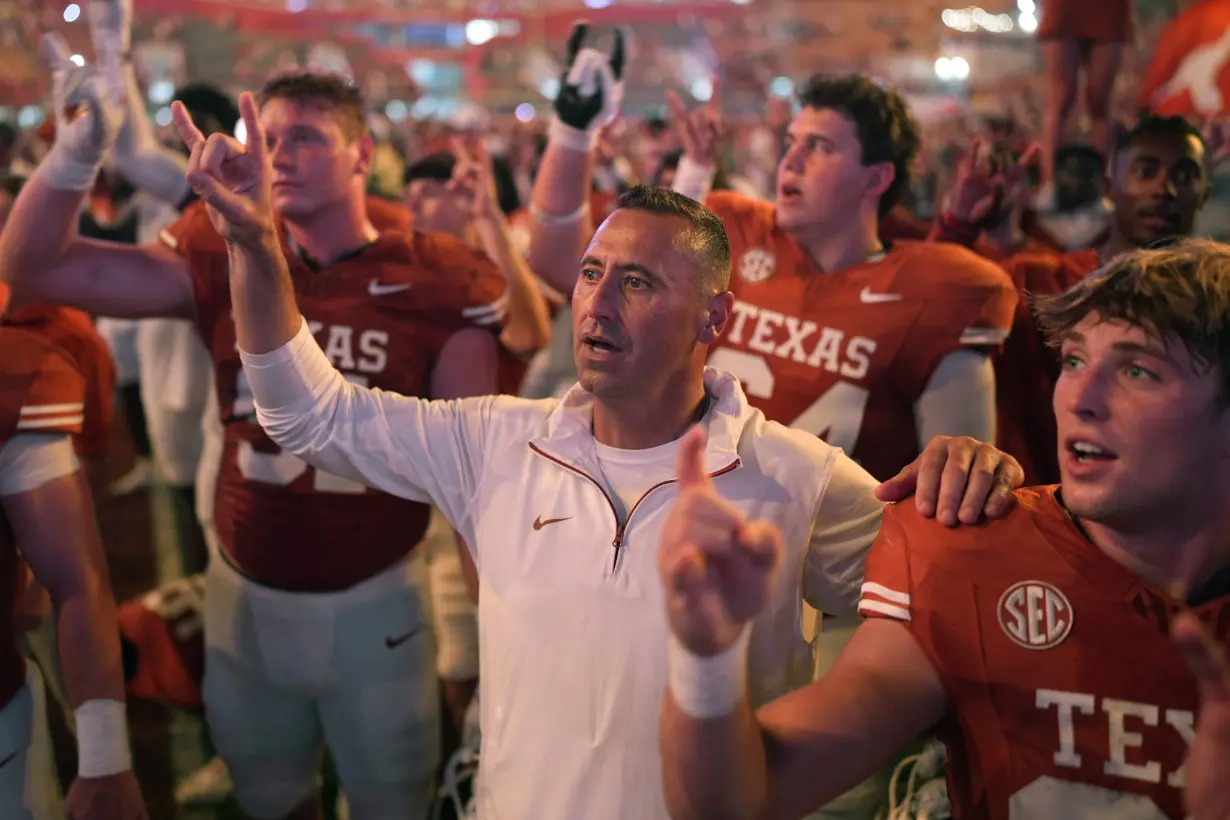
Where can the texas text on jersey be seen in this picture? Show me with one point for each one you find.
(1067, 696)
(40, 392)
(382, 316)
(846, 355)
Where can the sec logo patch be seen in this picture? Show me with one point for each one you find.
(1035, 615)
(757, 265)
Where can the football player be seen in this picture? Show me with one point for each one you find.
(313, 626)
(1159, 181)
(875, 348)
(74, 333)
(1038, 645)
(46, 512)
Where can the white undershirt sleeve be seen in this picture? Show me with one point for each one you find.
(959, 400)
(692, 179)
(30, 460)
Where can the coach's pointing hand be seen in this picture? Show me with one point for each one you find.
(233, 180)
(717, 567)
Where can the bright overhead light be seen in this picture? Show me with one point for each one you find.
(161, 92)
(241, 132)
(973, 18)
(702, 90)
(30, 116)
(549, 88)
(781, 87)
(396, 111)
(951, 68)
(481, 31)
(525, 112)
(1027, 22)
(71, 12)
(163, 117)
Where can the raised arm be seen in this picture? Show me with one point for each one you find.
(41, 256)
(590, 92)
(527, 328)
(138, 155)
(700, 132)
(47, 503)
(720, 760)
(802, 750)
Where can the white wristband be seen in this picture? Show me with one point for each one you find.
(64, 172)
(553, 221)
(709, 687)
(693, 179)
(571, 138)
(102, 738)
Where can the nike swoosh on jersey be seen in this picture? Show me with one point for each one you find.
(541, 522)
(377, 289)
(393, 643)
(867, 297)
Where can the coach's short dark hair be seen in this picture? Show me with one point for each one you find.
(323, 89)
(705, 237)
(1152, 124)
(886, 129)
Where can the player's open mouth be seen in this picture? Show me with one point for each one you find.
(789, 192)
(1087, 451)
(599, 344)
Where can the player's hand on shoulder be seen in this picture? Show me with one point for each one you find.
(717, 567)
(1207, 789)
(232, 179)
(957, 479)
(115, 797)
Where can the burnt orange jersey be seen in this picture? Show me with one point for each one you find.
(1067, 697)
(40, 392)
(1026, 368)
(382, 316)
(846, 355)
(385, 214)
(73, 332)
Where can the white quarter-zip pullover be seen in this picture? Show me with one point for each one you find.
(572, 622)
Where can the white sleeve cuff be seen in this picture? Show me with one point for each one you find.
(30, 460)
(290, 375)
(692, 179)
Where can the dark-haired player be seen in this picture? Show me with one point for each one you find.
(1158, 182)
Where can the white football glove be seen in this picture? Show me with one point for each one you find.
(88, 115)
